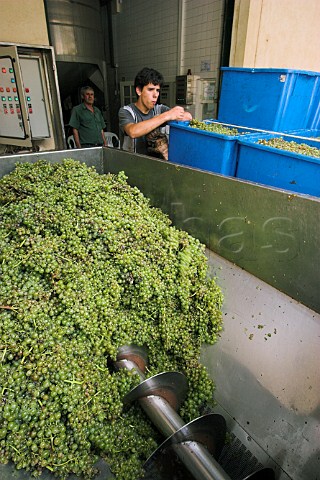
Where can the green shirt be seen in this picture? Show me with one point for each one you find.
(89, 124)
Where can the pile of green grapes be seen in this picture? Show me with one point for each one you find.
(214, 127)
(87, 266)
(291, 146)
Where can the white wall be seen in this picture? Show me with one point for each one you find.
(201, 37)
(170, 36)
(146, 35)
(276, 34)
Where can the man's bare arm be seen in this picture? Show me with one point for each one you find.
(104, 138)
(76, 137)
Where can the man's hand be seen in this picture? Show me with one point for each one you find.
(177, 113)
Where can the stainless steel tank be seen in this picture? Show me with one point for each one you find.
(76, 30)
(265, 364)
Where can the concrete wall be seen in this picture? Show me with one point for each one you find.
(24, 21)
(276, 34)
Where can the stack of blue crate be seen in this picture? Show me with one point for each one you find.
(279, 101)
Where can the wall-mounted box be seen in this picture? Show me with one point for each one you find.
(186, 89)
(30, 104)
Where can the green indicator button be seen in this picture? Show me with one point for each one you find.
(28, 99)
(11, 70)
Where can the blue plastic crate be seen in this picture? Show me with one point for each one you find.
(306, 133)
(205, 150)
(314, 122)
(279, 168)
(270, 99)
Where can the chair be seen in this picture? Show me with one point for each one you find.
(70, 141)
(112, 140)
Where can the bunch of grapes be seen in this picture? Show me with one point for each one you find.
(87, 266)
(214, 127)
(291, 146)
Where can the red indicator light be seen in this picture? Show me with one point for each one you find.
(30, 110)
(4, 70)
(14, 89)
(27, 90)
(18, 110)
(11, 111)
(8, 89)
(5, 110)
(1, 89)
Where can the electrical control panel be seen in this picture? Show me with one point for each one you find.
(197, 95)
(186, 89)
(167, 94)
(26, 113)
(35, 99)
(11, 122)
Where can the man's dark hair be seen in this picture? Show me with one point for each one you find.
(146, 76)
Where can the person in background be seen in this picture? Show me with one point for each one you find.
(87, 122)
(140, 122)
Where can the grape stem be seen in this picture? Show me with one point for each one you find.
(73, 381)
(4, 354)
(8, 307)
(60, 464)
(92, 397)
(14, 448)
